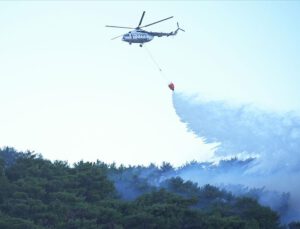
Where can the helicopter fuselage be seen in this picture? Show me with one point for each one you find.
(137, 36)
(140, 36)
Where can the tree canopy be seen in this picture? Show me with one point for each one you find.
(38, 193)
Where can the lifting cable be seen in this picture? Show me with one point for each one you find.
(170, 84)
(156, 64)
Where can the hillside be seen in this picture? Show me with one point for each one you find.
(38, 193)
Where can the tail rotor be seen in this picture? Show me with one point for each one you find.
(178, 28)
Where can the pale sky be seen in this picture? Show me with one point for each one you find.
(70, 93)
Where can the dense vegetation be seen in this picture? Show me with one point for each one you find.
(38, 193)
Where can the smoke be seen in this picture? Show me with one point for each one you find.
(272, 140)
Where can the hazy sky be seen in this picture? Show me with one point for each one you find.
(69, 92)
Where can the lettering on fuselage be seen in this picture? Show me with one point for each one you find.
(137, 37)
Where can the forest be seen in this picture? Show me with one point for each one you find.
(38, 193)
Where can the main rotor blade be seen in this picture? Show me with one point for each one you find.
(121, 27)
(141, 19)
(156, 22)
(117, 37)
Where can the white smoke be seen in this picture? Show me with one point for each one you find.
(245, 131)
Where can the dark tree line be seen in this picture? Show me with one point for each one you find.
(38, 193)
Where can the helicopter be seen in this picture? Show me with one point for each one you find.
(140, 36)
